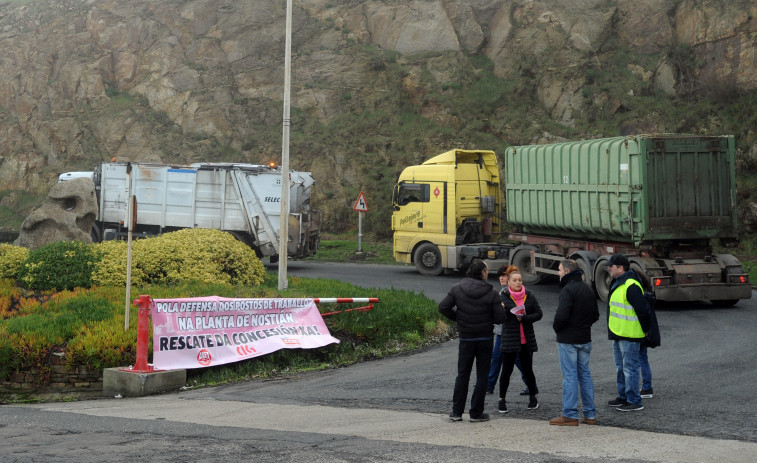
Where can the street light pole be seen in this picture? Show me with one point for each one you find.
(284, 217)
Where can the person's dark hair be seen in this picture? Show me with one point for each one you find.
(476, 269)
(502, 270)
(569, 265)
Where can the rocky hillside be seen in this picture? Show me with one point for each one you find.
(376, 84)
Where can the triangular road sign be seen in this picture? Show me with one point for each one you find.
(360, 204)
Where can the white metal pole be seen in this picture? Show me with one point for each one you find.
(284, 217)
(360, 232)
(131, 219)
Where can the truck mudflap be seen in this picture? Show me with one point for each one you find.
(698, 292)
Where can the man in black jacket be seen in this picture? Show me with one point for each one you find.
(475, 306)
(576, 312)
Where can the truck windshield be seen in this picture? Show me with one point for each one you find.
(406, 193)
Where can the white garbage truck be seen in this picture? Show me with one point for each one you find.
(242, 199)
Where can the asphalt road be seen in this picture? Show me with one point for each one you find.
(395, 409)
(704, 374)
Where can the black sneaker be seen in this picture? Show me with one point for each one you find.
(480, 418)
(453, 417)
(490, 391)
(617, 402)
(525, 392)
(630, 408)
(533, 404)
(646, 393)
(502, 407)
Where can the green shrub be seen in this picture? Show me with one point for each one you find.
(59, 265)
(28, 337)
(111, 269)
(11, 258)
(202, 255)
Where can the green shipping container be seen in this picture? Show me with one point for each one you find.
(641, 189)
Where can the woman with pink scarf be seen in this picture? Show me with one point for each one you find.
(518, 337)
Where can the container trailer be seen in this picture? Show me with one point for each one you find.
(664, 200)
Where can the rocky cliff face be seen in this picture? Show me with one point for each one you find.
(83, 81)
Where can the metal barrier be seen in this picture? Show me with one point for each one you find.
(346, 300)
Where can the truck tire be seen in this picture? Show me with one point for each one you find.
(95, 234)
(642, 272)
(522, 260)
(584, 266)
(428, 259)
(602, 279)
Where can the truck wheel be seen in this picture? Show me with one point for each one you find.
(587, 276)
(641, 270)
(522, 260)
(95, 234)
(602, 279)
(428, 259)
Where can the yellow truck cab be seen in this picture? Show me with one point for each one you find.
(447, 211)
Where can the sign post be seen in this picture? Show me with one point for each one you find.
(286, 122)
(360, 206)
(131, 215)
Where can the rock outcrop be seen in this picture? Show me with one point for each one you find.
(68, 214)
(165, 81)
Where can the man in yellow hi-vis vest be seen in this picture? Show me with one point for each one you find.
(628, 321)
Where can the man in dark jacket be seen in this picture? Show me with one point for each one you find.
(628, 322)
(475, 306)
(576, 312)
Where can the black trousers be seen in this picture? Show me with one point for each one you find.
(469, 352)
(526, 366)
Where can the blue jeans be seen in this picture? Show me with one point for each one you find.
(468, 352)
(646, 370)
(574, 363)
(627, 366)
(497, 365)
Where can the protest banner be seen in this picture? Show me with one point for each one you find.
(207, 331)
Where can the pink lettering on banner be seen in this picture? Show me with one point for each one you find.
(205, 331)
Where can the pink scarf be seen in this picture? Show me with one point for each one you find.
(520, 299)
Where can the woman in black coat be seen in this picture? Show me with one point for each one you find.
(518, 337)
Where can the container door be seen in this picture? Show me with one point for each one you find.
(262, 226)
(690, 188)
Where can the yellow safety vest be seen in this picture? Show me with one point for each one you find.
(623, 320)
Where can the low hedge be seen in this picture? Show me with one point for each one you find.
(203, 255)
(11, 259)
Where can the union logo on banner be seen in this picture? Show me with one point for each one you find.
(204, 358)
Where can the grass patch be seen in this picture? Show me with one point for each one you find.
(402, 321)
(10, 218)
(344, 248)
